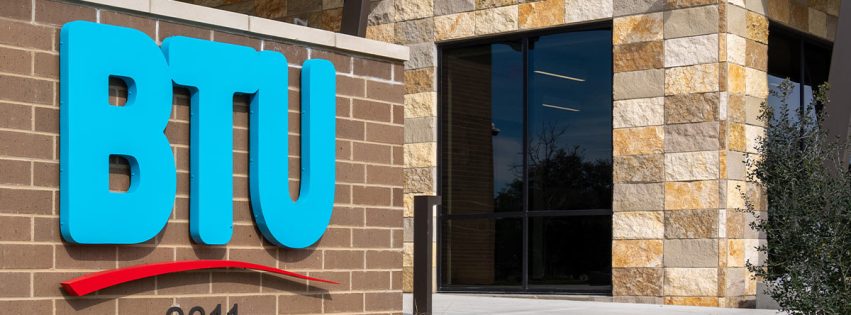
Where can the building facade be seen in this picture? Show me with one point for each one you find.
(591, 147)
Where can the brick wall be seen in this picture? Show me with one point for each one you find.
(361, 249)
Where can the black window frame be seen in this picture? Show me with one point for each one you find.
(803, 39)
(442, 217)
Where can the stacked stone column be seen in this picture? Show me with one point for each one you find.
(689, 81)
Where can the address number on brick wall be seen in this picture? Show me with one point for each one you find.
(197, 310)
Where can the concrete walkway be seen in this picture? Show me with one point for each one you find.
(482, 304)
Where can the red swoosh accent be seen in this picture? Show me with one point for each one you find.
(100, 280)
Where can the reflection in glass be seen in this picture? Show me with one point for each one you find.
(574, 250)
(797, 59)
(570, 121)
(483, 252)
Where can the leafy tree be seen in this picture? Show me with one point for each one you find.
(807, 264)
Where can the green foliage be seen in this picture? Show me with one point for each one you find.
(807, 260)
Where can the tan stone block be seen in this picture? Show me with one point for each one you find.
(444, 7)
(734, 281)
(419, 80)
(691, 224)
(691, 195)
(454, 26)
(817, 23)
(692, 50)
(799, 15)
(414, 31)
(757, 55)
(638, 28)
(639, 84)
(638, 225)
(757, 27)
(382, 32)
(636, 197)
(631, 7)
(735, 191)
(692, 166)
(692, 137)
(692, 301)
(692, 21)
(735, 79)
(413, 9)
(736, 137)
(778, 10)
(634, 141)
(638, 112)
(756, 83)
(636, 253)
(689, 108)
(421, 105)
(735, 253)
(496, 20)
(587, 10)
(484, 4)
(691, 281)
(421, 154)
(736, 49)
(691, 253)
(639, 168)
(637, 281)
(541, 14)
(638, 56)
(692, 79)
(753, 136)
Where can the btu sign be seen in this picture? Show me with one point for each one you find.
(91, 130)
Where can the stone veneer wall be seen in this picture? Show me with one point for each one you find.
(689, 79)
(361, 249)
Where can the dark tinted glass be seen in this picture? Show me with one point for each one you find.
(573, 250)
(483, 140)
(570, 121)
(483, 252)
(804, 61)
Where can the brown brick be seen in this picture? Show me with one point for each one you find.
(26, 35)
(342, 216)
(16, 9)
(236, 39)
(371, 196)
(385, 133)
(47, 120)
(85, 257)
(371, 280)
(46, 230)
(398, 237)
(350, 129)
(396, 282)
(27, 307)
(15, 61)
(26, 90)
(138, 255)
(26, 145)
(384, 175)
(277, 283)
(147, 26)
(350, 173)
(46, 66)
(373, 153)
(295, 259)
(45, 283)
(252, 304)
(14, 284)
(300, 304)
(46, 174)
(15, 229)
(296, 55)
(398, 197)
(240, 139)
(26, 256)
(372, 68)
(383, 217)
(343, 259)
(168, 29)
(383, 301)
(267, 256)
(246, 235)
(345, 302)
(24, 201)
(144, 286)
(294, 81)
(336, 237)
(342, 63)
(344, 150)
(383, 259)
(398, 73)
(58, 13)
(399, 114)
(85, 306)
(15, 172)
(343, 194)
(344, 107)
(398, 155)
(349, 86)
(386, 92)
(140, 305)
(207, 300)
(368, 110)
(184, 283)
(236, 282)
(15, 116)
(177, 132)
(240, 187)
(343, 279)
(174, 233)
(371, 238)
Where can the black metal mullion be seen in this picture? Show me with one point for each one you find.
(525, 247)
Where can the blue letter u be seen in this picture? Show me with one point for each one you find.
(295, 224)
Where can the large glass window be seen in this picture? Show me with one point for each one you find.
(526, 162)
(803, 60)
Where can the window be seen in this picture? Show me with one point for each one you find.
(526, 162)
(802, 59)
